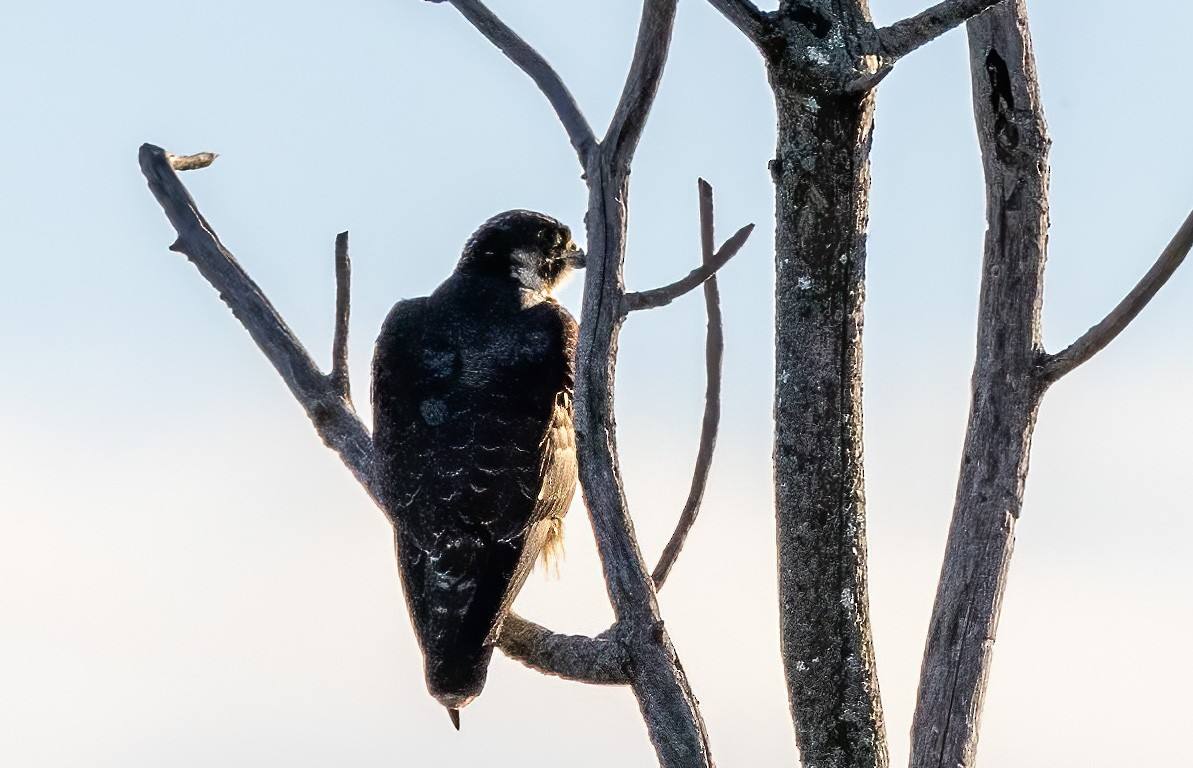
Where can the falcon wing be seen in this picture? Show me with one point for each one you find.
(475, 460)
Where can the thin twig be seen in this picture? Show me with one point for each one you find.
(661, 297)
(903, 37)
(334, 419)
(191, 162)
(532, 63)
(1097, 337)
(594, 660)
(714, 348)
(642, 83)
(339, 344)
(745, 16)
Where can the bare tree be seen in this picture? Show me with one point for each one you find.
(1011, 374)
(824, 60)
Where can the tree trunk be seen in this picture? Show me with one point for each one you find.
(1007, 387)
(821, 175)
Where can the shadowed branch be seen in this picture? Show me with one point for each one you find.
(642, 83)
(339, 344)
(598, 660)
(714, 348)
(745, 16)
(903, 37)
(330, 412)
(532, 63)
(661, 297)
(1097, 337)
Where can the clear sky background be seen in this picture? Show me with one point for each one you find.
(189, 578)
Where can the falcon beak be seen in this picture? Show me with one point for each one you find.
(577, 257)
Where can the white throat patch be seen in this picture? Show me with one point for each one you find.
(524, 267)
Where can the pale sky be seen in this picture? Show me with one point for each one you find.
(188, 577)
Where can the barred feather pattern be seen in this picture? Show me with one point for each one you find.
(476, 460)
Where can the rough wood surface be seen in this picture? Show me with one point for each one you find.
(714, 352)
(821, 175)
(1005, 398)
(600, 661)
(533, 64)
(823, 61)
(1096, 338)
(903, 37)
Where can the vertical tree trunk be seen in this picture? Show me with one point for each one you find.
(821, 175)
(1007, 388)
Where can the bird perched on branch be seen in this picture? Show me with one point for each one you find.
(475, 451)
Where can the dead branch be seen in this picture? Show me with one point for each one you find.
(1096, 338)
(714, 348)
(745, 16)
(646, 72)
(662, 296)
(1006, 392)
(332, 414)
(903, 37)
(532, 63)
(572, 657)
(339, 344)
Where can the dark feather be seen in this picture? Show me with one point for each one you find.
(475, 456)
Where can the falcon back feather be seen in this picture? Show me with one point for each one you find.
(473, 436)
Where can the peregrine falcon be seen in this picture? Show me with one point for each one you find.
(472, 433)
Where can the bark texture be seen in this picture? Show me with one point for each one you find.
(1007, 387)
(824, 58)
(821, 175)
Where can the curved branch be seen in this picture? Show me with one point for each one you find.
(532, 63)
(584, 659)
(642, 83)
(714, 349)
(1096, 338)
(903, 37)
(333, 416)
(661, 297)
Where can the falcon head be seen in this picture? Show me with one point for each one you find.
(532, 249)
